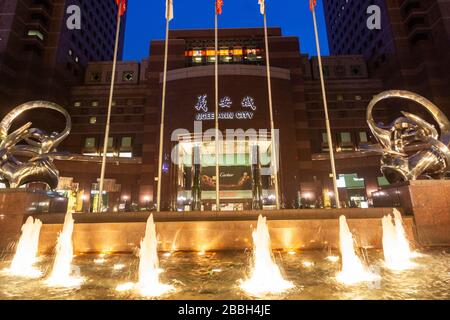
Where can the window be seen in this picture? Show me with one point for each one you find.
(94, 103)
(325, 142)
(126, 142)
(89, 143)
(126, 155)
(77, 104)
(363, 137)
(35, 33)
(128, 76)
(96, 76)
(346, 137)
(356, 70)
(93, 120)
(382, 181)
(346, 143)
(110, 143)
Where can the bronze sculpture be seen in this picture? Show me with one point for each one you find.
(35, 144)
(411, 147)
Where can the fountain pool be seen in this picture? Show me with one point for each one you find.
(216, 275)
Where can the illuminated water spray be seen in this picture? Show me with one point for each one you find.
(148, 284)
(265, 277)
(61, 275)
(397, 253)
(27, 249)
(353, 270)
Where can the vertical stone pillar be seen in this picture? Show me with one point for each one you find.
(256, 178)
(196, 178)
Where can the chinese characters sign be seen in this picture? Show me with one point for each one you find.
(248, 106)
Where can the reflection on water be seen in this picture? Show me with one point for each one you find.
(216, 276)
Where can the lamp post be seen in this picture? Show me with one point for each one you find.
(325, 106)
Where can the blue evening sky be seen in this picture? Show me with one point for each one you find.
(146, 21)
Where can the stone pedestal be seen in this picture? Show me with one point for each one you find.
(428, 201)
(17, 204)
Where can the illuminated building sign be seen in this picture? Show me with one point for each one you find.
(247, 103)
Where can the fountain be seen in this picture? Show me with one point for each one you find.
(27, 249)
(266, 276)
(397, 253)
(61, 275)
(148, 284)
(353, 271)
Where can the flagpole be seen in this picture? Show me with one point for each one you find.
(216, 115)
(163, 109)
(325, 106)
(108, 118)
(272, 125)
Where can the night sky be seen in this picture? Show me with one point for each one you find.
(146, 21)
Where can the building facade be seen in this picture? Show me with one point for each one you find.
(304, 168)
(41, 57)
(407, 52)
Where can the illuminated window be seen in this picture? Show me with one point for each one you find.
(210, 55)
(110, 142)
(346, 143)
(126, 142)
(93, 120)
(237, 52)
(36, 33)
(324, 142)
(126, 155)
(198, 53)
(238, 55)
(77, 104)
(363, 137)
(89, 143)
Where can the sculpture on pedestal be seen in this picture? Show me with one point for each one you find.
(35, 145)
(411, 147)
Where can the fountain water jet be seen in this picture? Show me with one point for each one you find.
(148, 284)
(27, 249)
(266, 276)
(397, 253)
(353, 271)
(61, 275)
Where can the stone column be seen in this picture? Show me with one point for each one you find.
(196, 179)
(256, 178)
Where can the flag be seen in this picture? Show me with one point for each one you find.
(219, 5)
(312, 4)
(122, 4)
(262, 6)
(169, 9)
